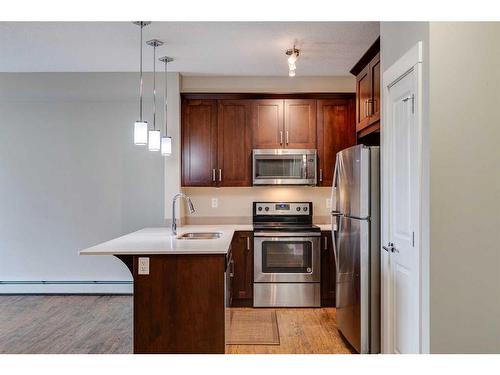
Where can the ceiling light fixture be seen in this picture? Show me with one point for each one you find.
(293, 55)
(141, 127)
(154, 135)
(166, 141)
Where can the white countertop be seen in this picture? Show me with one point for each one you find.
(162, 241)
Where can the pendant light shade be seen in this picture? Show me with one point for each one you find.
(141, 133)
(166, 146)
(166, 141)
(154, 140)
(141, 126)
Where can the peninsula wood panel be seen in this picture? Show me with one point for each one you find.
(267, 123)
(336, 130)
(199, 142)
(242, 253)
(300, 123)
(234, 162)
(179, 307)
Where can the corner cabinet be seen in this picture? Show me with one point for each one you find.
(219, 131)
(368, 103)
(336, 131)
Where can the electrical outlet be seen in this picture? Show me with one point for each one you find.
(328, 203)
(143, 266)
(215, 202)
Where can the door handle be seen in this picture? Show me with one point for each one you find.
(213, 175)
(220, 175)
(281, 137)
(390, 248)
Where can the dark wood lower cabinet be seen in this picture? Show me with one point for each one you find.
(328, 274)
(242, 255)
(179, 307)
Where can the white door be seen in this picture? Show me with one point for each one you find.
(400, 254)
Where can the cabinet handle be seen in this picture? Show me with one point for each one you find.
(287, 137)
(231, 268)
(248, 243)
(220, 175)
(281, 137)
(366, 107)
(213, 175)
(321, 175)
(325, 243)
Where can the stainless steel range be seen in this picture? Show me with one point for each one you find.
(286, 255)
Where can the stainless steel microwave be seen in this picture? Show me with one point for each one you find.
(284, 167)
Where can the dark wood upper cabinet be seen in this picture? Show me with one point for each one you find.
(368, 103)
(300, 123)
(336, 131)
(242, 254)
(267, 123)
(234, 162)
(199, 142)
(219, 131)
(328, 273)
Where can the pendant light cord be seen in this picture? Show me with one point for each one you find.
(166, 79)
(154, 87)
(141, 84)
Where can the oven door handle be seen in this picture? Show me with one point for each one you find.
(278, 234)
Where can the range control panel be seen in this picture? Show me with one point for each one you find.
(282, 208)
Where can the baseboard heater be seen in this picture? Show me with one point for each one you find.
(66, 287)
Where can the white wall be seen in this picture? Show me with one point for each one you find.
(465, 187)
(71, 177)
(268, 84)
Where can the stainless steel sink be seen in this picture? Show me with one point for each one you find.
(199, 236)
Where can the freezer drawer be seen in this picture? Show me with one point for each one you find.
(286, 295)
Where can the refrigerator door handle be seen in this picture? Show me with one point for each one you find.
(334, 240)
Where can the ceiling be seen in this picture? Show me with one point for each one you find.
(199, 48)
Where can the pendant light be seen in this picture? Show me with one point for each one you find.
(166, 141)
(141, 126)
(154, 135)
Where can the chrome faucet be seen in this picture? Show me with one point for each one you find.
(190, 205)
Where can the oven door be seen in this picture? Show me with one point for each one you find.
(286, 258)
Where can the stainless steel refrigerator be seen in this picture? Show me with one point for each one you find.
(356, 238)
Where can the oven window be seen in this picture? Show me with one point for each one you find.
(289, 168)
(286, 257)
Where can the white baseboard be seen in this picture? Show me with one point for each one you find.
(102, 287)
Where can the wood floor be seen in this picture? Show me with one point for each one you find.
(103, 324)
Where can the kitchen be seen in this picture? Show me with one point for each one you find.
(221, 213)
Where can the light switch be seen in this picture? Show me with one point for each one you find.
(215, 202)
(143, 266)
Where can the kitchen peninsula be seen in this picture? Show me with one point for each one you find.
(181, 285)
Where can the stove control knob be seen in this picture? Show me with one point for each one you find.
(305, 208)
(298, 208)
(260, 208)
(267, 208)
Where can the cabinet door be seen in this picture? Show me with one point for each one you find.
(199, 142)
(300, 123)
(336, 131)
(242, 253)
(234, 140)
(267, 123)
(363, 98)
(328, 274)
(375, 89)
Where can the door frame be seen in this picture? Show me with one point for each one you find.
(411, 60)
